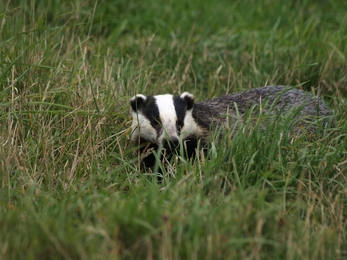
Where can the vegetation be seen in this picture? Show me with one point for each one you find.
(71, 187)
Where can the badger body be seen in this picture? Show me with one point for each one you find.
(163, 122)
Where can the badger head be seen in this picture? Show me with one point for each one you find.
(162, 120)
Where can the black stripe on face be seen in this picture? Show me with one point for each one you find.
(151, 111)
(181, 108)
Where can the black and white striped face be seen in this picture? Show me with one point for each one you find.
(163, 118)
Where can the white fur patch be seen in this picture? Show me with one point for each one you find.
(187, 94)
(142, 125)
(168, 117)
(138, 96)
(190, 126)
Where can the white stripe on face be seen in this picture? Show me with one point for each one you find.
(168, 117)
(141, 127)
(190, 128)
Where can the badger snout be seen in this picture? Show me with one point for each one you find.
(169, 137)
(170, 143)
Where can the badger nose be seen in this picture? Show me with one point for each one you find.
(170, 143)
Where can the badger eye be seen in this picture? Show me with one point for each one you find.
(155, 122)
(179, 124)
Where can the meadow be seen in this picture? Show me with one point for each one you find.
(70, 184)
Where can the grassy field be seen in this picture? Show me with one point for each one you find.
(71, 187)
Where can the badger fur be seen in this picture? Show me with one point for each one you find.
(165, 121)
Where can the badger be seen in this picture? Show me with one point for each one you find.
(167, 122)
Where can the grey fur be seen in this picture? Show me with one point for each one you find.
(273, 99)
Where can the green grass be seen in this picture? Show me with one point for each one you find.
(71, 187)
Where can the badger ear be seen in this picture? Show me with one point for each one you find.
(189, 99)
(137, 102)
